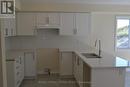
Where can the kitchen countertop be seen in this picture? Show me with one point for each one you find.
(107, 60)
(12, 54)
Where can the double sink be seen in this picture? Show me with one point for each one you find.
(91, 55)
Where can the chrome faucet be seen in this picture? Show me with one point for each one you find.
(99, 50)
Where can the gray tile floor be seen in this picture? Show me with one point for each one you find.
(56, 81)
(50, 81)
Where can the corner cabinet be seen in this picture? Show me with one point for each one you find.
(25, 24)
(48, 20)
(87, 76)
(75, 24)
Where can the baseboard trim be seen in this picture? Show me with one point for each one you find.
(30, 77)
(66, 76)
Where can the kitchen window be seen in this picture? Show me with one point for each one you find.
(122, 32)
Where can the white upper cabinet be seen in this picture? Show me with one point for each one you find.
(18, 4)
(9, 26)
(25, 24)
(75, 24)
(82, 24)
(41, 19)
(67, 24)
(13, 26)
(48, 20)
(54, 19)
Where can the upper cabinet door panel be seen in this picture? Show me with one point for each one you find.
(67, 24)
(25, 23)
(13, 26)
(54, 19)
(49, 20)
(82, 23)
(42, 19)
(9, 27)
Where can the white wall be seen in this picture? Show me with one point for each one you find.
(69, 7)
(103, 27)
(46, 38)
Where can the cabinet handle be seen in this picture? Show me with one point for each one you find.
(20, 60)
(6, 31)
(75, 31)
(11, 31)
(61, 56)
(33, 56)
(18, 82)
(78, 61)
(17, 67)
(47, 20)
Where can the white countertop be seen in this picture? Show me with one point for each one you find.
(12, 54)
(107, 60)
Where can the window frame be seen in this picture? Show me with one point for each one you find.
(122, 17)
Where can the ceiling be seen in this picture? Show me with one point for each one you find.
(122, 2)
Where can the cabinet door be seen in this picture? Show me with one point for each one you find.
(66, 66)
(25, 23)
(22, 67)
(30, 66)
(9, 27)
(80, 72)
(13, 27)
(54, 19)
(67, 24)
(6, 27)
(42, 19)
(82, 24)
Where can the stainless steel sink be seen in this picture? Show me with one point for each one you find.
(91, 55)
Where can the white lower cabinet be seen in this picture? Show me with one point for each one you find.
(87, 76)
(30, 65)
(15, 71)
(66, 65)
(78, 70)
